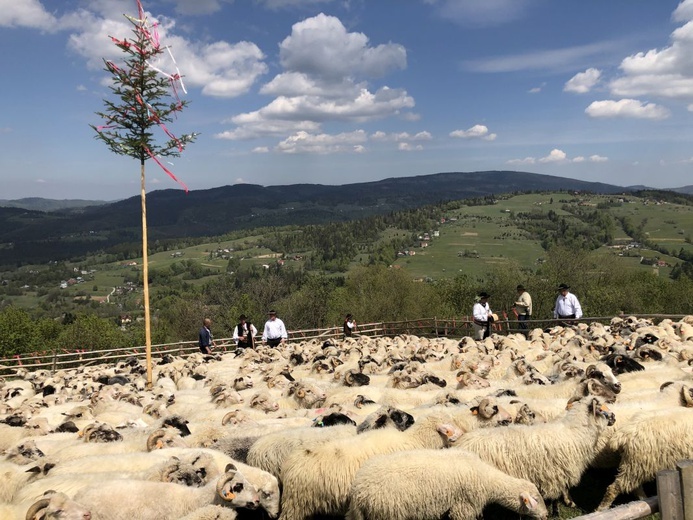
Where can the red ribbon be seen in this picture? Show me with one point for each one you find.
(165, 169)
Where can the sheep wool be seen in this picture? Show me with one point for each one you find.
(427, 484)
(553, 455)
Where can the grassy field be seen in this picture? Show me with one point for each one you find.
(472, 240)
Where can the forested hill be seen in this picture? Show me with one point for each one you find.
(30, 236)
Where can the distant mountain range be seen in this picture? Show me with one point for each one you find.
(27, 235)
(684, 189)
(41, 204)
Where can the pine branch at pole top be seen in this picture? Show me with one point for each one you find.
(147, 99)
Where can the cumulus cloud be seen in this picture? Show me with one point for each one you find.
(557, 156)
(260, 149)
(475, 132)
(628, 108)
(304, 142)
(583, 82)
(327, 74)
(283, 4)
(536, 90)
(321, 46)
(219, 68)
(198, 7)
(27, 13)
(663, 72)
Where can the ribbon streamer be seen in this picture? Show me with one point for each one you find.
(165, 169)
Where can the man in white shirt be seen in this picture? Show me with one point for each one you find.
(483, 317)
(567, 305)
(244, 333)
(274, 333)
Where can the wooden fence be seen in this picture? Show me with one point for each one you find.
(425, 327)
(674, 500)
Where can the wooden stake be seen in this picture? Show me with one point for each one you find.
(685, 468)
(145, 281)
(669, 493)
(630, 511)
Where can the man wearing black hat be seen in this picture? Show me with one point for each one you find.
(567, 305)
(244, 333)
(483, 317)
(523, 306)
(275, 332)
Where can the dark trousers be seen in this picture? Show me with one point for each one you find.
(274, 342)
(522, 318)
(567, 320)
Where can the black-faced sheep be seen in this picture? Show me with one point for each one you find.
(128, 499)
(433, 484)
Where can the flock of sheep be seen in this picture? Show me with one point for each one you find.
(368, 428)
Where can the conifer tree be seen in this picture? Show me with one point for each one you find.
(144, 100)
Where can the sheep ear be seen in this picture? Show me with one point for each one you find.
(474, 410)
(528, 501)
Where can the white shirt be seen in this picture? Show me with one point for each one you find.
(481, 311)
(274, 329)
(566, 306)
(253, 331)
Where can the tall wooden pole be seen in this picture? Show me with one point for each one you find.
(145, 280)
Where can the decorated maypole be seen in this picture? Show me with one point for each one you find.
(145, 100)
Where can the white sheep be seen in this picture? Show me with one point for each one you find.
(52, 506)
(212, 512)
(422, 484)
(551, 455)
(651, 442)
(128, 499)
(318, 479)
(14, 477)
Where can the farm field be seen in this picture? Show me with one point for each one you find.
(471, 239)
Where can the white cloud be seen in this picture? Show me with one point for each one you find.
(253, 127)
(475, 132)
(664, 72)
(303, 142)
(81, 88)
(408, 147)
(536, 90)
(628, 108)
(26, 13)
(526, 160)
(401, 136)
(261, 149)
(583, 82)
(219, 68)
(321, 46)
(41, 181)
(326, 77)
(557, 156)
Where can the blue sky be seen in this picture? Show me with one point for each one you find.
(344, 91)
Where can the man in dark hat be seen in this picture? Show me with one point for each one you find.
(482, 315)
(567, 305)
(349, 326)
(244, 333)
(274, 332)
(523, 306)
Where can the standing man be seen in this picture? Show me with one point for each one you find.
(567, 305)
(274, 333)
(349, 326)
(483, 317)
(244, 333)
(206, 339)
(523, 306)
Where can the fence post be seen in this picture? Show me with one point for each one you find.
(55, 360)
(685, 468)
(669, 493)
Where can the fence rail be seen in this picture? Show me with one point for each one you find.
(424, 327)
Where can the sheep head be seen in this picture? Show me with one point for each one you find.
(236, 491)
